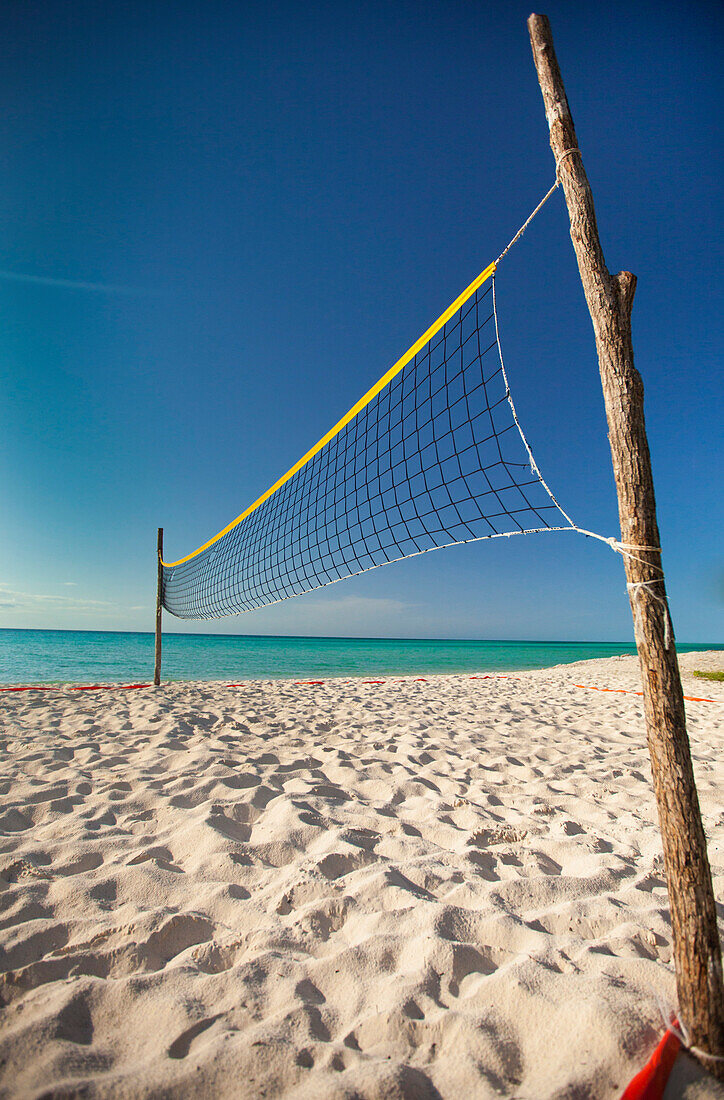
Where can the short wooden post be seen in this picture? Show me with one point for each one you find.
(697, 951)
(159, 608)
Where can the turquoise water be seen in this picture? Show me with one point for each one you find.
(87, 656)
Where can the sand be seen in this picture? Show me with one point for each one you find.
(447, 887)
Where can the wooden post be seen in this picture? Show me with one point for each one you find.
(159, 608)
(697, 952)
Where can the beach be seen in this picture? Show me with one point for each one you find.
(418, 887)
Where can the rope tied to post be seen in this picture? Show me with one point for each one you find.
(562, 157)
(677, 1027)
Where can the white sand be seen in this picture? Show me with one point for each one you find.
(416, 889)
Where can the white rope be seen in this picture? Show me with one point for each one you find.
(681, 1031)
(668, 1018)
(634, 587)
(543, 201)
(525, 224)
(704, 1054)
(562, 157)
(624, 548)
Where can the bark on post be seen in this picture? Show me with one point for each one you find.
(159, 609)
(697, 952)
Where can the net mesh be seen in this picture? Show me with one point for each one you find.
(434, 459)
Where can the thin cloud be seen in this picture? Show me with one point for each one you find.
(31, 601)
(75, 284)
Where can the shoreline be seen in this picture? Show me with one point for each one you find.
(338, 890)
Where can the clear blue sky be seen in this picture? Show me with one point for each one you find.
(265, 204)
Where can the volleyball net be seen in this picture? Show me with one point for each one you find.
(431, 456)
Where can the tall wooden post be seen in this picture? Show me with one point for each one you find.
(697, 952)
(159, 608)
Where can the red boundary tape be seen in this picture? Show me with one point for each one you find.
(418, 680)
(650, 1082)
(624, 691)
(79, 687)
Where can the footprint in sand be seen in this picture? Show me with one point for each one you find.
(162, 857)
(14, 822)
(181, 1046)
(87, 862)
(337, 864)
(178, 933)
(227, 827)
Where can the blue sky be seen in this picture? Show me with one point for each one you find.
(224, 222)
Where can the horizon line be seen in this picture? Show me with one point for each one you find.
(346, 637)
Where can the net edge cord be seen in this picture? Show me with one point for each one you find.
(363, 401)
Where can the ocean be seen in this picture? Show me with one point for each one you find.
(90, 656)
